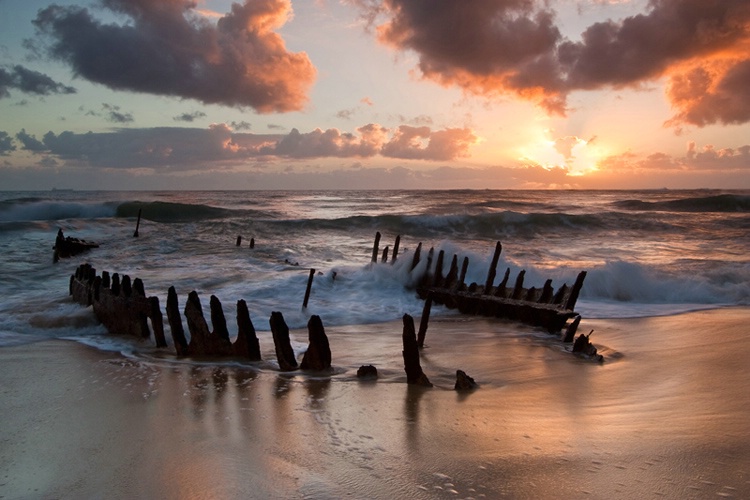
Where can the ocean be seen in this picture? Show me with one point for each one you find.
(88, 414)
(647, 253)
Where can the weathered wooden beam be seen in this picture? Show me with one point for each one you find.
(318, 354)
(500, 291)
(175, 323)
(157, 321)
(384, 258)
(282, 344)
(462, 278)
(493, 268)
(518, 289)
(437, 279)
(547, 292)
(308, 288)
(138, 223)
(423, 321)
(570, 304)
(246, 345)
(375, 247)
(417, 256)
(412, 366)
(451, 279)
(395, 248)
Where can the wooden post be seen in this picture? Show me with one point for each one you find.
(423, 321)
(307, 291)
(375, 247)
(417, 254)
(500, 290)
(437, 280)
(412, 367)
(452, 276)
(318, 354)
(196, 325)
(573, 297)
(462, 277)
(518, 289)
(157, 322)
(284, 351)
(395, 249)
(246, 345)
(175, 323)
(137, 224)
(546, 292)
(493, 268)
(218, 321)
(239, 240)
(570, 332)
(252, 243)
(385, 255)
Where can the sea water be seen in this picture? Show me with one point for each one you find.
(665, 414)
(646, 252)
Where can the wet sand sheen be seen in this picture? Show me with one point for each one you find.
(666, 415)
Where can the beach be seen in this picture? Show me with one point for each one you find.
(664, 416)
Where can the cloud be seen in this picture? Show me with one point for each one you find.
(705, 159)
(167, 48)
(29, 142)
(514, 47)
(710, 94)
(423, 144)
(242, 125)
(191, 148)
(189, 117)
(6, 144)
(114, 114)
(30, 82)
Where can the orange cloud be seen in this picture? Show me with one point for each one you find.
(169, 48)
(494, 47)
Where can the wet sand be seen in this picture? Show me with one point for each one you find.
(667, 415)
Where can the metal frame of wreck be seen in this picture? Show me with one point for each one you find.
(543, 307)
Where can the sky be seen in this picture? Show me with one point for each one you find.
(374, 94)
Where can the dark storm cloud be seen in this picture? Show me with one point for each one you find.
(166, 48)
(6, 143)
(29, 142)
(188, 148)
(513, 46)
(31, 82)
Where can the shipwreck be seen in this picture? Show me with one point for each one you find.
(545, 307)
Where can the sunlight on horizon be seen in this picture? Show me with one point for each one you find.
(576, 155)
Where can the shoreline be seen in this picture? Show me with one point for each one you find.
(664, 415)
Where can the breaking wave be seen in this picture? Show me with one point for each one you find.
(717, 203)
(34, 209)
(160, 211)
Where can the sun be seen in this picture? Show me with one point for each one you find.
(576, 155)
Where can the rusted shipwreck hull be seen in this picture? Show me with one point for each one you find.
(544, 307)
